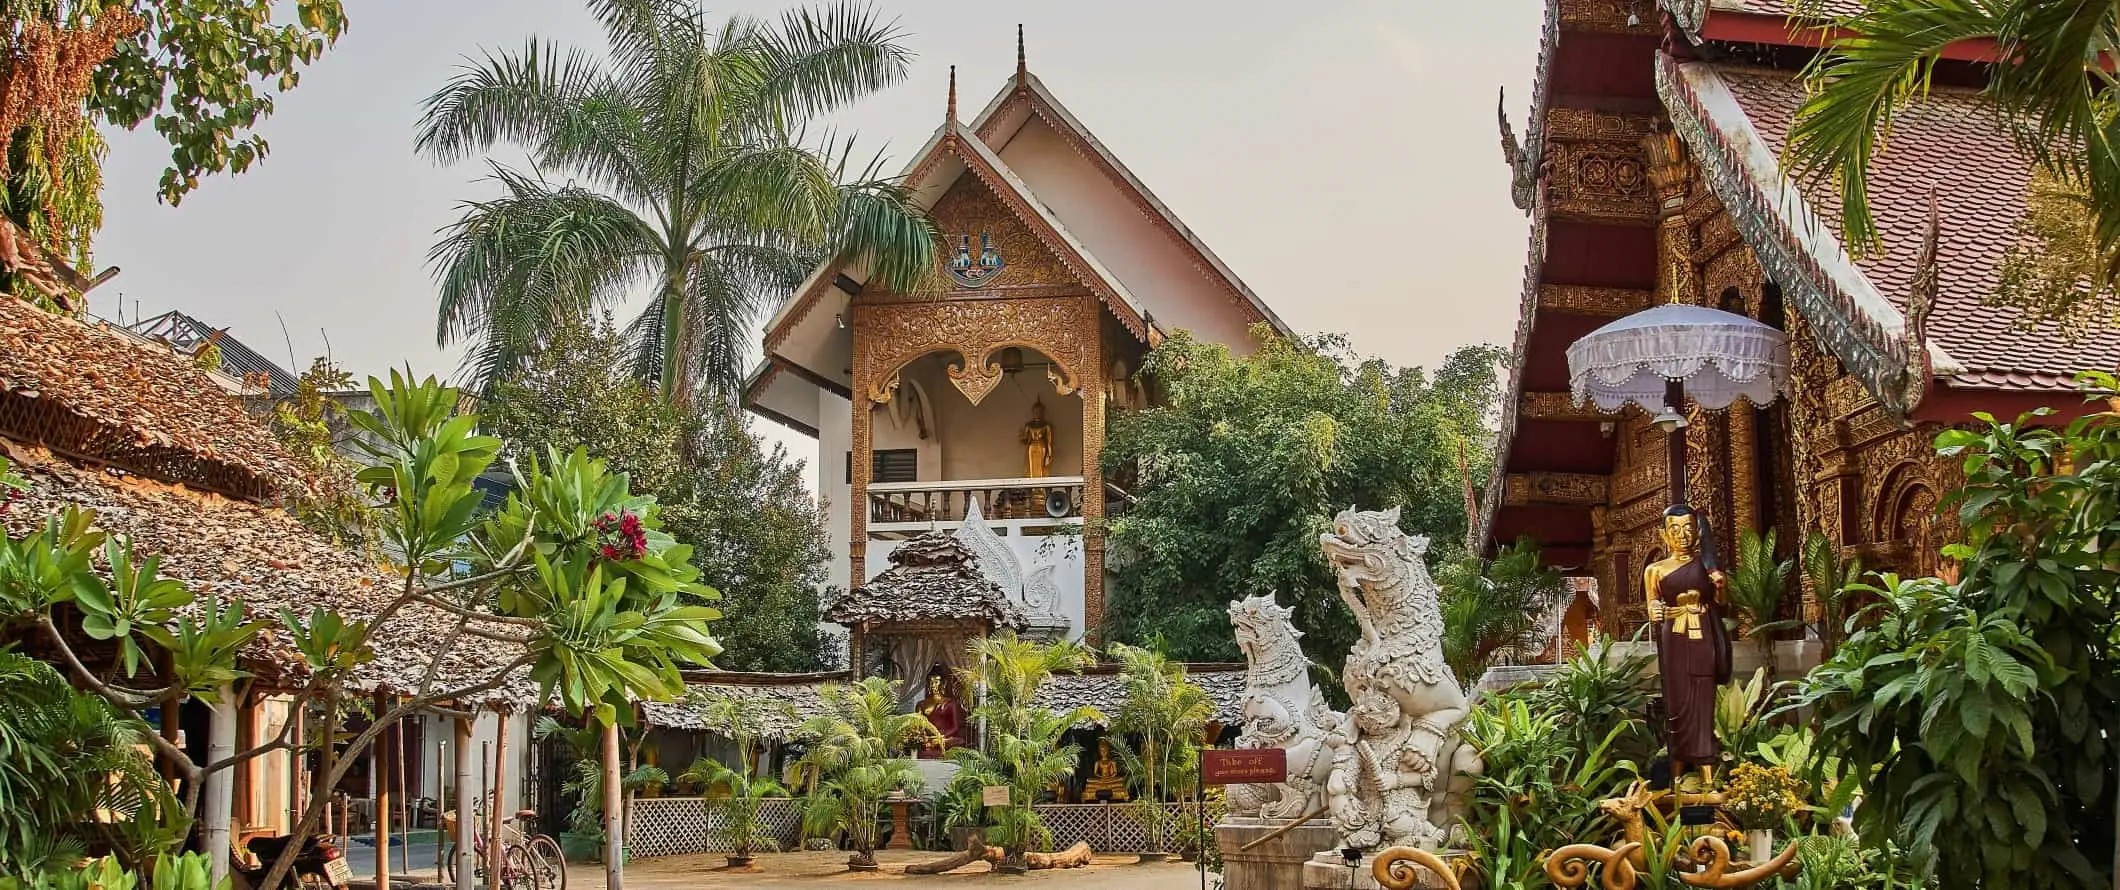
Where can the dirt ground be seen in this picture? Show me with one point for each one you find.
(828, 869)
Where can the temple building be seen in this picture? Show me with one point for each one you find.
(1651, 171)
(986, 394)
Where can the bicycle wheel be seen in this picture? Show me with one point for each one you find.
(516, 870)
(550, 863)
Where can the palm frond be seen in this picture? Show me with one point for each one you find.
(821, 59)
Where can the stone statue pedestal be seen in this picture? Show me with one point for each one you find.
(1327, 870)
(1274, 865)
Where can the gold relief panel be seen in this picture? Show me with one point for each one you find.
(1733, 269)
(1611, 16)
(1598, 180)
(889, 335)
(1845, 397)
(1603, 301)
(1578, 489)
(1718, 233)
(1558, 406)
(970, 210)
(1565, 122)
(1634, 516)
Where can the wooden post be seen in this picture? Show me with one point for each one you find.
(221, 784)
(614, 813)
(379, 769)
(466, 808)
(494, 813)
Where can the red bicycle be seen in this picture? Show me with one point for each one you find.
(529, 861)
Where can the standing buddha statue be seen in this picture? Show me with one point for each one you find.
(1684, 594)
(1037, 439)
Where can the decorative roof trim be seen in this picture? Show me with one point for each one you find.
(1848, 316)
(1527, 316)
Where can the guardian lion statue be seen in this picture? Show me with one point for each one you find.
(1401, 773)
(1281, 710)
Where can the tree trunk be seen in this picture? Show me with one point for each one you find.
(379, 768)
(1076, 856)
(221, 784)
(973, 851)
(614, 813)
(494, 814)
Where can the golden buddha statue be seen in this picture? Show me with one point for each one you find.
(1037, 439)
(1104, 780)
(1683, 592)
(943, 713)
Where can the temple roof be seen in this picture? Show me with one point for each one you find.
(933, 577)
(80, 388)
(1946, 144)
(1100, 687)
(190, 335)
(235, 549)
(797, 692)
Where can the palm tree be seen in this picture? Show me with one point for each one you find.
(1020, 744)
(2055, 96)
(678, 160)
(1007, 670)
(860, 747)
(1168, 714)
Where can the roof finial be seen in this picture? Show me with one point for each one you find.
(1023, 71)
(953, 94)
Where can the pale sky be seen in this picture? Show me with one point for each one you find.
(1340, 155)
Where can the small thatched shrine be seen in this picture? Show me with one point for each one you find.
(913, 621)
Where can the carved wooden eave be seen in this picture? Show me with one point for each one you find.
(1593, 167)
(1848, 316)
(1560, 406)
(1570, 489)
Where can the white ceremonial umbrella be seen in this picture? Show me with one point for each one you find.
(1658, 357)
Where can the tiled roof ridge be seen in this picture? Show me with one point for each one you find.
(1874, 349)
(85, 389)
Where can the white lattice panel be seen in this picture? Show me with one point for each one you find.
(667, 826)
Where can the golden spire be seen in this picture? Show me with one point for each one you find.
(953, 94)
(1023, 71)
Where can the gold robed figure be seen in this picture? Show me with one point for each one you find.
(1037, 439)
(1684, 593)
(943, 713)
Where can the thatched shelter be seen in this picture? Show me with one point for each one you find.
(916, 618)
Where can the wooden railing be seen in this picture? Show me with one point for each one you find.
(926, 504)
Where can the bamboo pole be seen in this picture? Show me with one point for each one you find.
(494, 842)
(379, 770)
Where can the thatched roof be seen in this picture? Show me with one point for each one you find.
(82, 389)
(932, 577)
(1100, 688)
(799, 692)
(230, 548)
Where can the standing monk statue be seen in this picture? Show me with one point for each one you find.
(1037, 438)
(1684, 592)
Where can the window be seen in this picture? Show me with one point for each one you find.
(894, 465)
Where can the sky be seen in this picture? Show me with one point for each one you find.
(1341, 156)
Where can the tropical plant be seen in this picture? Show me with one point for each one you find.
(1741, 714)
(1167, 714)
(1496, 608)
(75, 776)
(683, 162)
(164, 871)
(1601, 690)
(1021, 742)
(1829, 576)
(1249, 456)
(860, 744)
(1756, 586)
(1978, 711)
(2053, 95)
(743, 794)
(1536, 773)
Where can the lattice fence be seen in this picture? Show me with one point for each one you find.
(667, 826)
(1112, 828)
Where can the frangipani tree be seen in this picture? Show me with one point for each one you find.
(572, 575)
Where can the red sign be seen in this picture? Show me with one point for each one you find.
(1243, 766)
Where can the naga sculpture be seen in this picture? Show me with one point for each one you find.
(1401, 773)
(1281, 710)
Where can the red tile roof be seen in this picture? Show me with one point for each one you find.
(1947, 144)
(131, 404)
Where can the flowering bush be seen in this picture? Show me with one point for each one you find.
(1762, 796)
(620, 536)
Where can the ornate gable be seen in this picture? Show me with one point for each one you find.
(971, 211)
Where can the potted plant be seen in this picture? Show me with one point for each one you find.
(1761, 799)
(741, 796)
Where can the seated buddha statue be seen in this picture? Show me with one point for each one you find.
(1104, 781)
(943, 713)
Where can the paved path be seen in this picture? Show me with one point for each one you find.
(784, 871)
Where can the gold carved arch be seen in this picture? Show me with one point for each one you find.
(889, 336)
